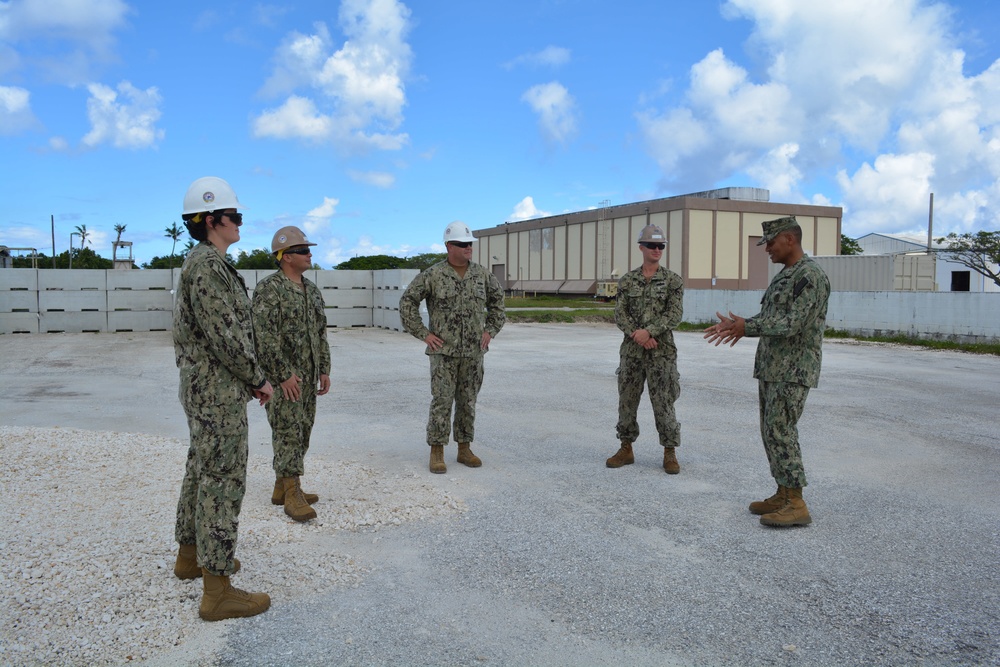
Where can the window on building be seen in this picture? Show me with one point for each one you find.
(960, 281)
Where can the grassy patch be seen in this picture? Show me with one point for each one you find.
(974, 348)
(607, 315)
(555, 302)
(566, 316)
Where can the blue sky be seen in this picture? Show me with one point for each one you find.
(372, 124)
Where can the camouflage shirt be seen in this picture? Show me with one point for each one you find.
(790, 324)
(213, 332)
(459, 309)
(290, 326)
(656, 305)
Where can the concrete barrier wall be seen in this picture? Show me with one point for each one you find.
(966, 317)
(83, 300)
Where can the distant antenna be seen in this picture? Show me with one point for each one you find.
(930, 224)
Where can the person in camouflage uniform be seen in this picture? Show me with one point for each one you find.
(465, 311)
(650, 304)
(289, 318)
(219, 374)
(790, 326)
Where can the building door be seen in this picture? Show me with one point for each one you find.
(498, 271)
(757, 261)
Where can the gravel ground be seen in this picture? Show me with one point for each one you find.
(92, 553)
(543, 556)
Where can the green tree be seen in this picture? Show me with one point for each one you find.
(426, 260)
(980, 251)
(373, 263)
(173, 232)
(255, 259)
(849, 246)
(83, 258)
(119, 229)
(42, 261)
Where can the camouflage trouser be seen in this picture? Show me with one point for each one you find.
(454, 380)
(781, 405)
(291, 426)
(660, 373)
(208, 512)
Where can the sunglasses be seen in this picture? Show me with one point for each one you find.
(461, 244)
(299, 251)
(654, 246)
(237, 218)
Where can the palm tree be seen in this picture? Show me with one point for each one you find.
(173, 232)
(119, 229)
(82, 231)
(188, 247)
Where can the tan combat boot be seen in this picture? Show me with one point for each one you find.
(466, 456)
(278, 495)
(670, 463)
(221, 601)
(295, 504)
(768, 505)
(437, 459)
(186, 566)
(793, 513)
(622, 457)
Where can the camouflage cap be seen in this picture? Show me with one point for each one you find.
(774, 227)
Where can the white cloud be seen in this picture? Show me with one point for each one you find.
(379, 179)
(874, 90)
(318, 219)
(550, 56)
(556, 110)
(891, 194)
(126, 118)
(356, 93)
(81, 32)
(525, 210)
(296, 118)
(777, 172)
(15, 110)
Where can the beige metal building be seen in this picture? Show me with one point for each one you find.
(711, 238)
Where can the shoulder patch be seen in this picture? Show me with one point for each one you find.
(799, 286)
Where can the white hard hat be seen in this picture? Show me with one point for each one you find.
(210, 193)
(458, 231)
(652, 234)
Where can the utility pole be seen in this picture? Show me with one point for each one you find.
(930, 224)
(52, 220)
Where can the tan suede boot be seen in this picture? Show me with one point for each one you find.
(622, 457)
(670, 463)
(221, 601)
(768, 505)
(186, 566)
(437, 459)
(278, 495)
(792, 513)
(295, 504)
(466, 456)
